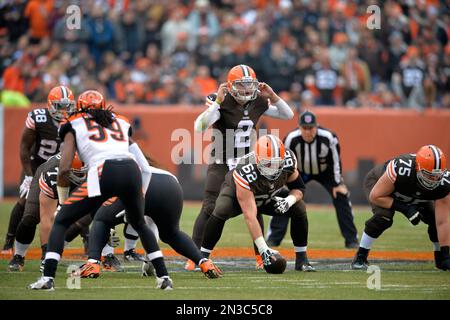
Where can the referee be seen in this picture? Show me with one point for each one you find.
(318, 154)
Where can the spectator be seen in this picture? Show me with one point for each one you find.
(355, 74)
(325, 82)
(38, 13)
(101, 32)
(408, 80)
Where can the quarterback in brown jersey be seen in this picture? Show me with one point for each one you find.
(418, 186)
(39, 142)
(265, 181)
(233, 113)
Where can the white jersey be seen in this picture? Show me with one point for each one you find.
(95, 144)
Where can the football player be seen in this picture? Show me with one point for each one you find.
(40, 207)
(265, 181)
(164, 205)
(39, 142)
(238, 105)
(416, 185)
(116, 168)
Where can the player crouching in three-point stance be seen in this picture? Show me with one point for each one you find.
(102, 139)
(417, 185)
(258, 185)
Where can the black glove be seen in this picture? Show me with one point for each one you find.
(411, 211)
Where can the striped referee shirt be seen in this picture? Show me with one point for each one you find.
(320, 157)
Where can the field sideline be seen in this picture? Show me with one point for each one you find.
(403, 254)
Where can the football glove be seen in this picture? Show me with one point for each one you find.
(266, 256)
(282, 205)
(114, 240)
(25, 186)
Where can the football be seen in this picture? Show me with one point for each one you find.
(277, 266)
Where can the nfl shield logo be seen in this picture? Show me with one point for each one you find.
(308, 119)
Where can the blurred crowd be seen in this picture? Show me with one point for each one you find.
(176, 52)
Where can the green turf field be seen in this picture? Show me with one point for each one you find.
(334, 279)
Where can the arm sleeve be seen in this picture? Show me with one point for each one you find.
(209, 116)
(280, 110)
(334, 146)
(64, 129)
(143, 164)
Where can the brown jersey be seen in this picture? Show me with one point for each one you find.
(47, 142)
(247, 175)
(236, 126)
(402, 172)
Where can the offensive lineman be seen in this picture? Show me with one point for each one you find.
(265, 181)
(417, 185)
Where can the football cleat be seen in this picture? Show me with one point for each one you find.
(132, 255)
(16, 264)
(43, 283)
(304, 266)
(111, 263)
(164, 283)
(8, 246)
(351, 245)
(90, 270)
(359, 263)
(148, 270)
(190, 265)
(209, 269)
(259, 264)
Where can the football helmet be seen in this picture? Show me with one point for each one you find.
(78, 171)
(90, 99)
(60, 102)
(242, 83)
(270, 154)
(431, 165)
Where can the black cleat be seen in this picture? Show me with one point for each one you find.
(111, 263)
(360, 263)
(304, 265)
(9, 245)
(352, 244)
(132, 255)
(16, 264)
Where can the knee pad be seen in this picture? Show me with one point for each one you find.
(376, 225)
